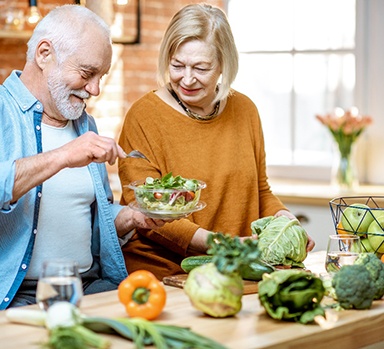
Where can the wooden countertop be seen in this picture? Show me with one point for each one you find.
(250, 329)
(316, 193)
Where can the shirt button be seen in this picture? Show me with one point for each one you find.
(35, 231)
(6, 299)
(38, 106)
(39, 194)
(38, 127)
(23, 266)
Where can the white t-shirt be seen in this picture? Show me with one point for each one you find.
(64, 228)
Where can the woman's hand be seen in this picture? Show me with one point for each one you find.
(128, 219)
(285, 213)
(310, 243)
(198, 243)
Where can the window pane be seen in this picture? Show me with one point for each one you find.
(257, 26)
(325, 24)
(275, 25)
(267, 80)
(309, 70)
(322, 82)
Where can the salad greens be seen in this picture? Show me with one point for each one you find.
(170, 182)
(169, 193)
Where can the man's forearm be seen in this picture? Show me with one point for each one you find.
(34, 170)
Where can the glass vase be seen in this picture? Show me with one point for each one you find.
(344, 170)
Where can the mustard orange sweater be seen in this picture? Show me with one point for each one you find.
(227, 153)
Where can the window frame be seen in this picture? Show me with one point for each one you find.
(294, 171)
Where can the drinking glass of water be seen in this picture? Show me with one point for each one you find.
(341, 250)
(59, 281)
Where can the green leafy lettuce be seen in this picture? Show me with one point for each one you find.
(282, 241)
(170, 182)
(292, 295)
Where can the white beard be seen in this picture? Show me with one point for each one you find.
(61, 93)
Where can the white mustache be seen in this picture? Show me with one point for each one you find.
(80, 94)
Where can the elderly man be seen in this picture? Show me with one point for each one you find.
(55, 199)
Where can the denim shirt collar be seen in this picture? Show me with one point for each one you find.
(23, 97)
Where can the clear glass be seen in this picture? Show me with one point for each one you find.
(344, 170)
(342, 250)
(59, 281)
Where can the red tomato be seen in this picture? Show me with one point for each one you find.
(189, 196)
(157, 195)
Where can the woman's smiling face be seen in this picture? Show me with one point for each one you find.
(194, 72)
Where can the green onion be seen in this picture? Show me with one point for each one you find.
(143, 332)
(76, 331)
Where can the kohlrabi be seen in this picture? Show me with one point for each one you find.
(216, 288)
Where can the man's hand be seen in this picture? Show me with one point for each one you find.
(88, 148)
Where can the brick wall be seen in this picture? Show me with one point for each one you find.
(133, 70)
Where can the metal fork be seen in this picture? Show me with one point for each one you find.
(136, 154)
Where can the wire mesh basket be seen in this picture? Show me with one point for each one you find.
(363, 216)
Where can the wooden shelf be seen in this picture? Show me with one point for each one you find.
(26, 34)
(15, 34)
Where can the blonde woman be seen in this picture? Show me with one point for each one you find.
(196, 126)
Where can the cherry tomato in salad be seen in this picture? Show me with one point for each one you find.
(157, 195)
(189, 196)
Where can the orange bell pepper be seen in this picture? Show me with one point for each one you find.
(142, 294)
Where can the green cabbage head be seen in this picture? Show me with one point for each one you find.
(282, 241)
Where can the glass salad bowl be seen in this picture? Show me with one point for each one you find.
(167, 197)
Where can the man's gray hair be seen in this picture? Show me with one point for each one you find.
(63, 27)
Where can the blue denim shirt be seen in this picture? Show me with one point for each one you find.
(20, 136)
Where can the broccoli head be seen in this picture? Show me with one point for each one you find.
(354, 287)
(376, 268)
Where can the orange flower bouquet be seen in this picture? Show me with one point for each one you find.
(345, 127)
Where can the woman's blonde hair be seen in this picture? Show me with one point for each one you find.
(206, 23)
